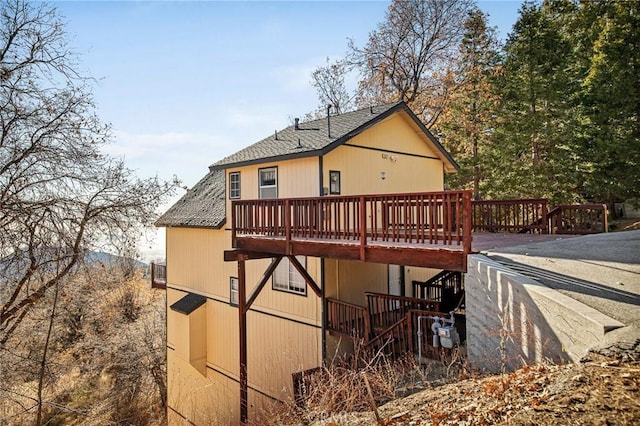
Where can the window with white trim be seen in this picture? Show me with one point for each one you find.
(233, 291)
(234, 185)
(334, 182)
(268, 182)
(287, 278)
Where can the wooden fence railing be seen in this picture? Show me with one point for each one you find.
(385, 309)
(389, 324)
(578, 219)
(510, 216)
(348, 319)
(394, 341)
(442, 218)
(158, 275)
(445, 287)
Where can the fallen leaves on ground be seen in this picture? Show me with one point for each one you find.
(601, 391)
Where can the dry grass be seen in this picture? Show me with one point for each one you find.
(106, 363)
(332, 394)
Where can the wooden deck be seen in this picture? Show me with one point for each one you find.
(430, 229)
(433, 229)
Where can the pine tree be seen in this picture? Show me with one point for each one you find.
(610, 100)
(533, 153)
(467, 124)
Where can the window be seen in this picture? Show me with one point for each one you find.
(287, 278)
(268, 182)
(233, 291)
(334, 182)
(234, 185)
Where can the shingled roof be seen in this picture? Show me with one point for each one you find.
(313, 138)
(204, 205)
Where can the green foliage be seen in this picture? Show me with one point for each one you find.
(554, 114)
(467, 124)
(533, 145)
(610, 96)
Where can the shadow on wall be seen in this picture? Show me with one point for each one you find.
(513, 320)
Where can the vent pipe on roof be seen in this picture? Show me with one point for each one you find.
(276, 134)
(371, 109)
(296, 126)
(329, 120)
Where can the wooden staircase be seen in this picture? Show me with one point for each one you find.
(447, 288)
(387, 325)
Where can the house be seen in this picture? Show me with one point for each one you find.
(281, 241)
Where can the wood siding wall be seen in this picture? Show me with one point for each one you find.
(378, 150)
(284, 330)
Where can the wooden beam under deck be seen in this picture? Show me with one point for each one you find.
(453, 259)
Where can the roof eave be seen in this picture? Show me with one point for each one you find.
(158, 224)
(292, 156)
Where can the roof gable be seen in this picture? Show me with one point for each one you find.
(318, 137)
(204, 205)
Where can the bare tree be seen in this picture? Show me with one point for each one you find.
(408, 55)
(329, 81)
(60, 195)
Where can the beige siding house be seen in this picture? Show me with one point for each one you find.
(215, 325)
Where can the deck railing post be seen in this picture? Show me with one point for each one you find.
(545, 212)
(233, 224)
(287, 226)
(363, 227)
(467, 223)
(242, 326)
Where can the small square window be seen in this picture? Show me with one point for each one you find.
(334, 182)
(233, 291)
(234, 185)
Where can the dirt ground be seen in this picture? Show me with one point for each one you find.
(601, 390)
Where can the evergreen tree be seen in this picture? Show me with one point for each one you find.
(533, 153)
(610, 100)
(468, 122)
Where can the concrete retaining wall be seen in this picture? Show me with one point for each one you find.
(514, 320)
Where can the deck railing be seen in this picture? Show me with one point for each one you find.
(386, 309)
(446, 287)
(578, 219)
(158, 275)
(510, 216)
(348, 319)
(442, 218)
(394, 341)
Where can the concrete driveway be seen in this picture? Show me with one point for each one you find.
(602, 271)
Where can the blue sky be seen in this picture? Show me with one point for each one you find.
(184, 84)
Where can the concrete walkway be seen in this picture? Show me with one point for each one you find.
(602, 271)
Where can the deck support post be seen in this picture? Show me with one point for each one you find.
(242, 325)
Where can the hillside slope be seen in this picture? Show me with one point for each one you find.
(602, 390)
